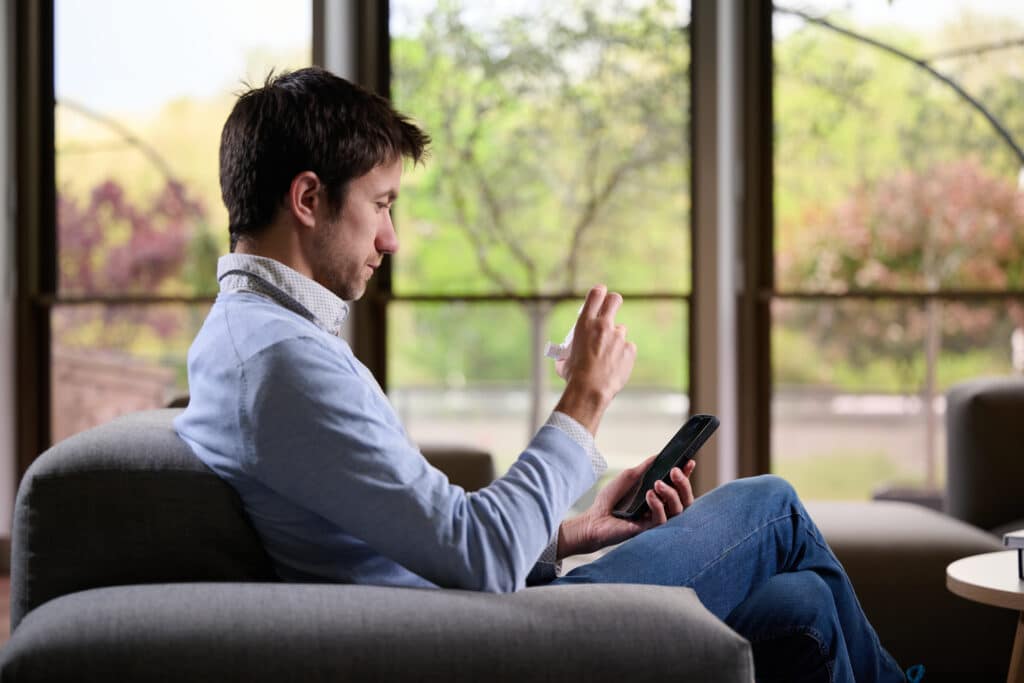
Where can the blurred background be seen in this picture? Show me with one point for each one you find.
(563, 156)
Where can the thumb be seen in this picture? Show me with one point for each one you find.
(627, 479)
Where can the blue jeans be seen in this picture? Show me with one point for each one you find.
(757, 561)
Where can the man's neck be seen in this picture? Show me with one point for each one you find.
(279, 242)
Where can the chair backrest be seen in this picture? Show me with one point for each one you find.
(126, 503)
(985, 449)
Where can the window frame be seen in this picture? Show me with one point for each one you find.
(370, 313)
(761, 238)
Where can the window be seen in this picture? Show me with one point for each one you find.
(142, 91)
(560, 160)
(899, 213)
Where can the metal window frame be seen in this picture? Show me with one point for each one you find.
(35, 213)
(373, 59)
(760, 241)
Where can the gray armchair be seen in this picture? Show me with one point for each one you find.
(985, 446)
(131, 561)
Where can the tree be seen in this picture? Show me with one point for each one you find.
(849, 113)
(561, 145)
(110, 246)
(954, 226)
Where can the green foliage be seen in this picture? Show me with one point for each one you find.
(952, 226)
(560, 152)
(560, 159)
(887, 179)
(454, 344)
(848, 114)
(842, 475)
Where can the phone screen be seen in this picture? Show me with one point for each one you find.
(677, 452)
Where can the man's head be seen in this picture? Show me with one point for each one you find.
(310, 135)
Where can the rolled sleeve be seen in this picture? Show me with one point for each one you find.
(548, 565)
(578, 433)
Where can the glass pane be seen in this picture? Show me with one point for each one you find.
(560, 155)
(142, 92)
(460, 373)
(108, 360)
(886, 175)
(655, 403)
(858, 403)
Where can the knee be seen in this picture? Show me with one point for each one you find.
(807, 600)
(767, 488)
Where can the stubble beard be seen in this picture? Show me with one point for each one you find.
(344, 285)
(345, 288)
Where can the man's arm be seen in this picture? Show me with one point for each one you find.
(344, 456)
(597, 368)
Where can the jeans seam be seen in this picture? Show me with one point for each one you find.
(815, 635)
(737, 544)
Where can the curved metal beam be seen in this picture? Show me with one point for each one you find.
(921, 64)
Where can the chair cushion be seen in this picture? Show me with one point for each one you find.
(300, 632)
(126, 502)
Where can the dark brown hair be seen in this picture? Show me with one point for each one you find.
(306, 120)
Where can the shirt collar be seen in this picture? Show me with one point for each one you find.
(285, 286)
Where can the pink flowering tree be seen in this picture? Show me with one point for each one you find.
(953, 226)
(110, 246)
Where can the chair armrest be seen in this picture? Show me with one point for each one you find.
(984, 433)
(468, 467)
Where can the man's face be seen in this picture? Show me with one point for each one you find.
(348, 249)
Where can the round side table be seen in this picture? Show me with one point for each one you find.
(991, 579)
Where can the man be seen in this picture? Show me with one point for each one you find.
(282, 410)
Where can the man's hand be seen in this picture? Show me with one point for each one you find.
(600, 362)
(597, 527)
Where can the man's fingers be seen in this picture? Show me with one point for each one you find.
(681, 481)
(658, 515)
(595, 298)
(670, 498)
(610, 305)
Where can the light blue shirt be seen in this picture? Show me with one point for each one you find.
(282, 410)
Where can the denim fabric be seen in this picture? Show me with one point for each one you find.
(757, 561)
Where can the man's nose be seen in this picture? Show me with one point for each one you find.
(387, 238)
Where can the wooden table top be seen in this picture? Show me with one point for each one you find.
(990, 578)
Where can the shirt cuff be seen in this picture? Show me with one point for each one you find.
(548, 566)
(578, 433)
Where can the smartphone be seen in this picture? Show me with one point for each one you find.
(677, 452)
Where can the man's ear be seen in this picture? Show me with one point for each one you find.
(304, 194)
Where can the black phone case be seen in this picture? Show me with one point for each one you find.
(637, 506)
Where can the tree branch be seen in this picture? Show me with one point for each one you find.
(480, 247)
(593, 206)
(918, 62)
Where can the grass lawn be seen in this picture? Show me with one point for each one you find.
(843, 475)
